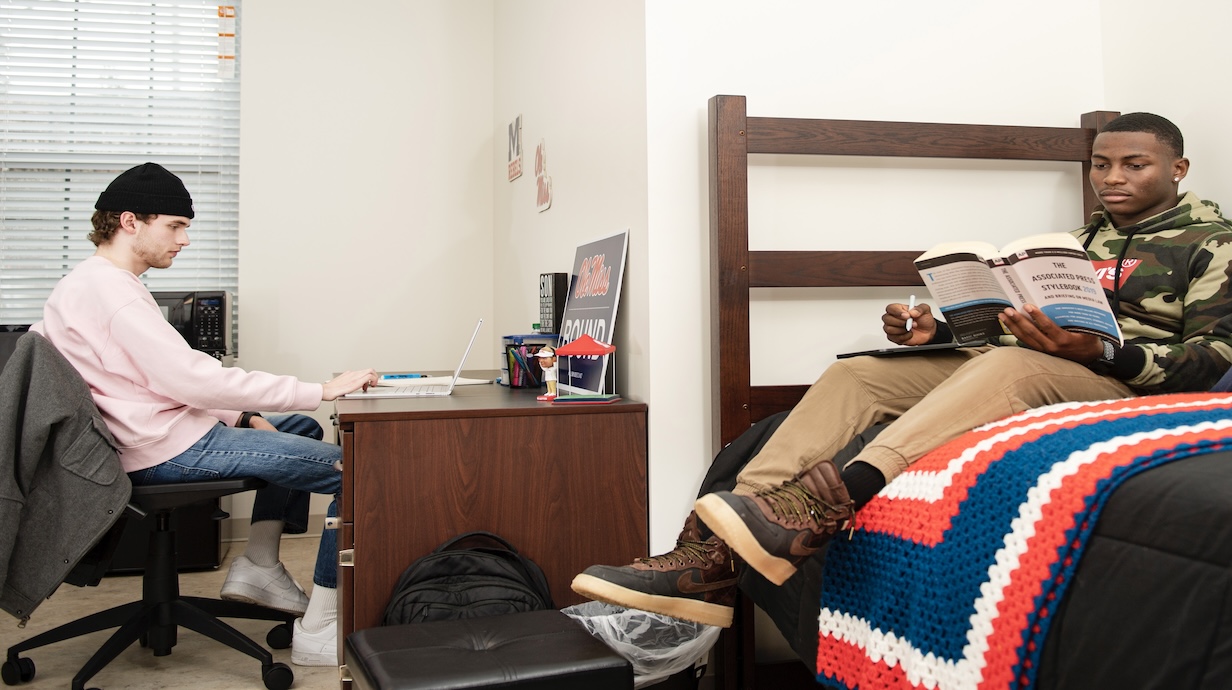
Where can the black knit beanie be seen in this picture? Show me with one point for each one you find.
(147, 188)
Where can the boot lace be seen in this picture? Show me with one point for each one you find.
(686, 553)
(792, 502)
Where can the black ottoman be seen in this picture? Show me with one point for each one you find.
(544, 650)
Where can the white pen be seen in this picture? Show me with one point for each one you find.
(910, 306)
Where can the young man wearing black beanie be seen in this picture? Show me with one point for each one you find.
(178, 415)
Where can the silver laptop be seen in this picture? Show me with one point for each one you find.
(428, 390)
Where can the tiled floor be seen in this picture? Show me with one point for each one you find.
(197, 663)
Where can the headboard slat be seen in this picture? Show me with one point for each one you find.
(833, 269)
(917, 139)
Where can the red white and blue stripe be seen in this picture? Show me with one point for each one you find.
(955, 569)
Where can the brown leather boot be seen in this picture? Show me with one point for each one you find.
(695, 581)
(775, 529)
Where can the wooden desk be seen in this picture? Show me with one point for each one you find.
(564, 484)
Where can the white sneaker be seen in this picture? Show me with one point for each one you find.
(314, 649)
(271, 587)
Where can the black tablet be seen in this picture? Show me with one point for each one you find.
(911, 349)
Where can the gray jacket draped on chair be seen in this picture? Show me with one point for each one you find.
(61, 487)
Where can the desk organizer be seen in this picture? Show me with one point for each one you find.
(519, 367)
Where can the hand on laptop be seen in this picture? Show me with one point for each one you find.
(348, 382)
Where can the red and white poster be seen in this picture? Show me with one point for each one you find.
(543, 181)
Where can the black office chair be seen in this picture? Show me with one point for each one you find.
(153, 621)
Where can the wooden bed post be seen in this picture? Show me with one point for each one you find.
(729, 337)
(729, 270)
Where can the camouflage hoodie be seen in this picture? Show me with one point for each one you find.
(1173, 297)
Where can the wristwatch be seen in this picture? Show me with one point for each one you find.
(245, 420)
(1103, 365)
(1109, 352)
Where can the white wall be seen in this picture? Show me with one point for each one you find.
(366, 196)
(1172, 60)
(576, 73)
(366, 207)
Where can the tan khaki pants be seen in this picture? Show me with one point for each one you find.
(932, 398)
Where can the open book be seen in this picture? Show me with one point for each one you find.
(972, 282)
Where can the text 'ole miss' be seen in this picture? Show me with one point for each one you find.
(594, 279)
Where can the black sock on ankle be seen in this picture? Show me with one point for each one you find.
(863, 482)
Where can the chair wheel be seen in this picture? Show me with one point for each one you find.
(278, 676)
(17, 670)
(144, 640)
(279, 637)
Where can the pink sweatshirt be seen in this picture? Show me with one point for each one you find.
(158, 395)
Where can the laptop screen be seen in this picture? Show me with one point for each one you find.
(458, 372)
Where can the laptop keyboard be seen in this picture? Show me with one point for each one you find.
(434, 389)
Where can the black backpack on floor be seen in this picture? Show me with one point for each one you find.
(472, 575)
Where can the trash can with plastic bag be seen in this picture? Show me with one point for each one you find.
(658, 646)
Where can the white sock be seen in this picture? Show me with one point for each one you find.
(264, 538)
(322, 609)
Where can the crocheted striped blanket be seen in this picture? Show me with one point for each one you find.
(954, 569)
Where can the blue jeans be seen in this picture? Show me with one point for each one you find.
(295, 462)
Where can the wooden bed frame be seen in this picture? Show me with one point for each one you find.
(734, 270)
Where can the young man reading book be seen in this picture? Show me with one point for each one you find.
(177, 413)
(1165, 259)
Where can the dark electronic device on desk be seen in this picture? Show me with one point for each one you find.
(553, 288)
(204, 318)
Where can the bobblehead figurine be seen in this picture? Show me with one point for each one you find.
(547, 360)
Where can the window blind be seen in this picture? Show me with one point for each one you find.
(90, 88)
